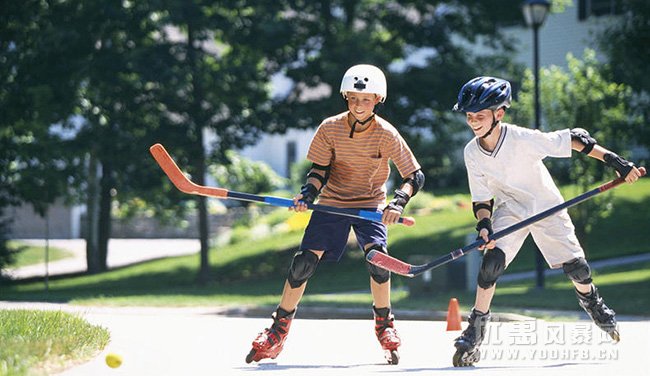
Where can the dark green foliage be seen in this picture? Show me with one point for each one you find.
(625, 43)
(243, 175)
(334, 35)
(6, 254)
(117, 76)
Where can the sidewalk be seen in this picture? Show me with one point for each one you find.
(204, 341)
(121, 252)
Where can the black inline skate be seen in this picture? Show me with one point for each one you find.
(467, 345)
(603, 316)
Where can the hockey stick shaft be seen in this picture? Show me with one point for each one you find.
(185, 185)
(400, 267)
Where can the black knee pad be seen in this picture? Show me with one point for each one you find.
(380, 275)
(578, 270)
(492, 266)
(302, 267)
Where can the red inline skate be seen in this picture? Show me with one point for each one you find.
(387, 334)
(269, 343)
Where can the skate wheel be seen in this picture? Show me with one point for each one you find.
(463, 359)
(616, 336)
(392, 356)
(251, 356)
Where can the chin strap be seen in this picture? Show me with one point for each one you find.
(494, 124)
(354, 125)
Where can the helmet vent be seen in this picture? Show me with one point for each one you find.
(360, 85)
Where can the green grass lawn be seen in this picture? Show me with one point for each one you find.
(45, 342)
(626, 289)
(252, 272)
(30, 255)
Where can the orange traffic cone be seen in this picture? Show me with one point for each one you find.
(453, 315)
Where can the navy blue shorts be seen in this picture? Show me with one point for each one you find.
(330, 232)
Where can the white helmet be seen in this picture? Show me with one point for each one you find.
(364, 78)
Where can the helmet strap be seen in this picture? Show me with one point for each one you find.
(354, 125)
(494, 124)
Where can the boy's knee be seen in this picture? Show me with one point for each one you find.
(492, 266)
(379, 275)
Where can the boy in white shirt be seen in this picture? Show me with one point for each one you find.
(509, 183)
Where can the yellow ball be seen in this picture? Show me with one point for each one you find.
(113, 360)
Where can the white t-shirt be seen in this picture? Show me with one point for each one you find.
(513, 172)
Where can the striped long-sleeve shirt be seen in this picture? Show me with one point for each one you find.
(359, 165)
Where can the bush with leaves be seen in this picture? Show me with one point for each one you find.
(6, 254)
(242, 174)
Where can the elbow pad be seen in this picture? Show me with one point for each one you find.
(416, 180)
(476, 206)
(321, 178)
(582, 136)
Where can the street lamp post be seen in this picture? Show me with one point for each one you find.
(535, 12)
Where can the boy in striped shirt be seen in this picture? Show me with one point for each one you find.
(349, 154)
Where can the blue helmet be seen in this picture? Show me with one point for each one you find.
(483, 92)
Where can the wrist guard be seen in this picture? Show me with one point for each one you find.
(485, 223)
(309, 193)
(399, 202)
(622, 166)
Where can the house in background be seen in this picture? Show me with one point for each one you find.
(568, 32)
(61, 222)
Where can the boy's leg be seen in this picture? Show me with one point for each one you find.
(380, 293)
(384, 318)
(589, 298)
(373, 236)
(468, 343)
(324, 232)
(270, 342)
(493, 264)
(384, 328)
(484, 298)
(299, 273)
(557, 241)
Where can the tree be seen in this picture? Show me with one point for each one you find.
(118, 107)
(325, 38)
(216, 80)
(625, 43)
(166, 71)
(583, 96)
(38, 81)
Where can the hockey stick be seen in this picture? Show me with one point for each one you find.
(185, 185)
(395, 265)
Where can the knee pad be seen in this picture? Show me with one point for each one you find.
(378, 274)
(492, 266)
(578, 270)
(302, 267)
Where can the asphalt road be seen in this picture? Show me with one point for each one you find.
(203, 342)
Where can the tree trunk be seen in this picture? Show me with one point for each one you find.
(199, 160)
(204, 272)
(92, 240)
